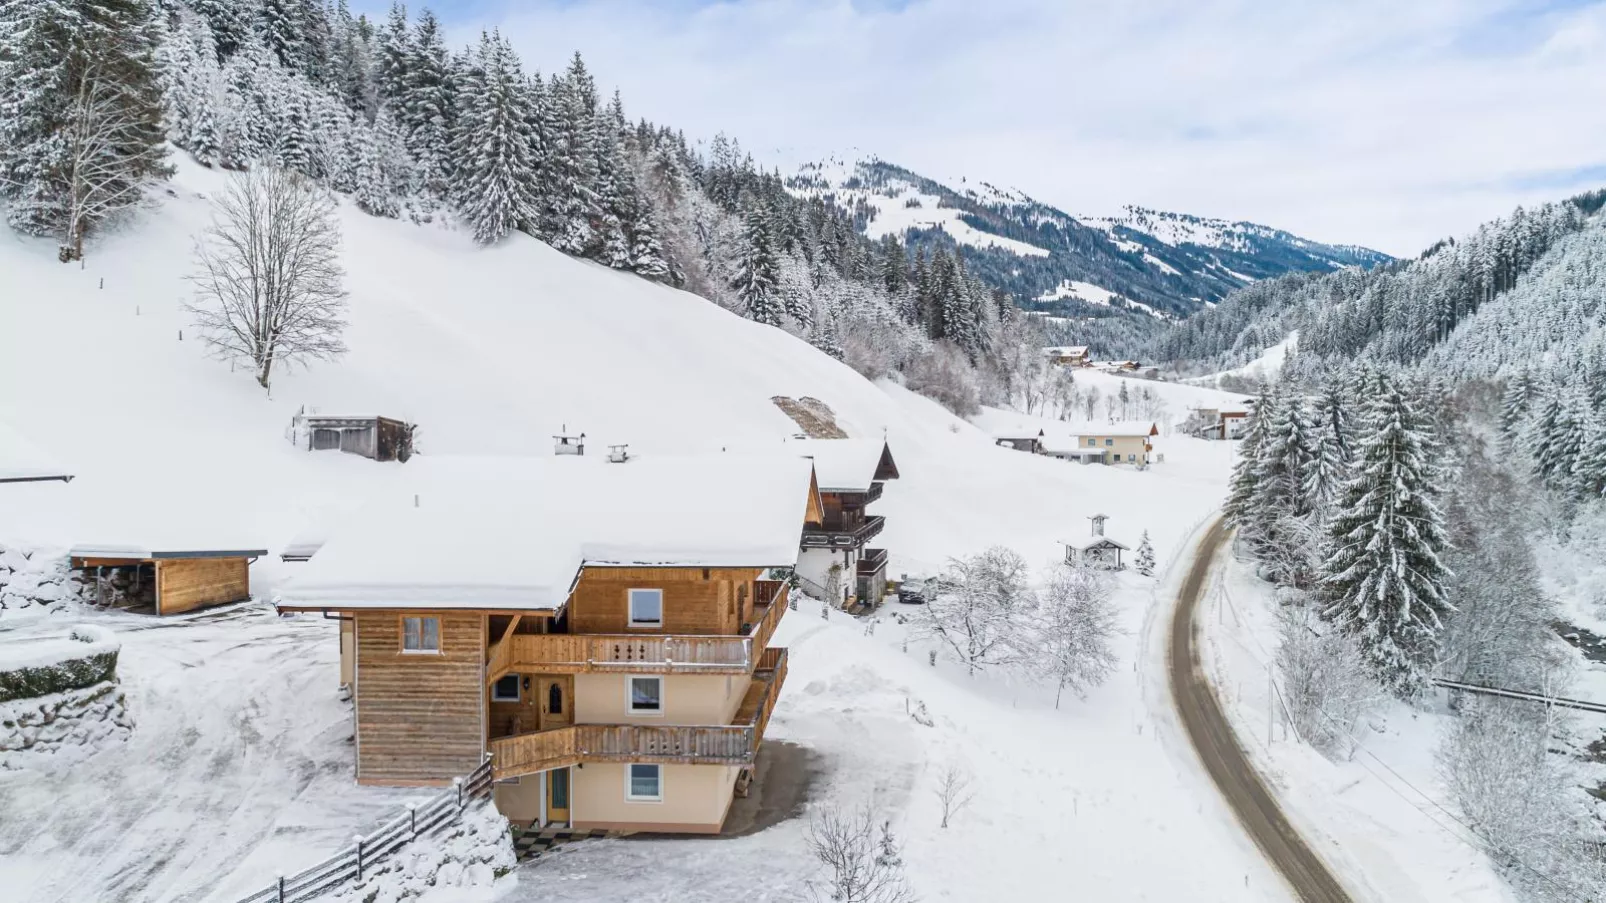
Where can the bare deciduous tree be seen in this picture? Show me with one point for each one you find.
(953, 791)
(979, 608)
(1328, 688)
(1076, 621)
(268, 276)
(862, 856)
(107, 165)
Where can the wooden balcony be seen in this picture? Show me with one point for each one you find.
(872, 562)
(563, 653)
(846, 537)
(736, 743)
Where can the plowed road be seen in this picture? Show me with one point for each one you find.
(1224, 759)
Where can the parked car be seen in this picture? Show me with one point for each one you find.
(912, 590)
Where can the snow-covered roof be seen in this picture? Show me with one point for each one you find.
(1057, 451)
(148, 552)
(21, 461)
(1088, 542)
(513, 533)
(1118, 428)
(847, 465)
(1066, 350)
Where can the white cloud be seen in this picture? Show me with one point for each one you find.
(1381, 122)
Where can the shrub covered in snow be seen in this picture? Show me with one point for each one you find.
(52, 665)
(474, 852)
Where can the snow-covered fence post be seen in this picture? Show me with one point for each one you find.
(412, 818)
(281, 889)
(358, 839)
(457, 784)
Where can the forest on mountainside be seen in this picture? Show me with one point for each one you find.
(472, 138)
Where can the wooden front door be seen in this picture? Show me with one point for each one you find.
(557, 796)
(555, 695)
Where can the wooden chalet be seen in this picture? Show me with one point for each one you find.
(599, 630)
(172, 581)
(836, 562)
(369, 435)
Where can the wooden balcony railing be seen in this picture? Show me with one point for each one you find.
(846, 538)
(736, 743)
(872, 562)
(562, 653)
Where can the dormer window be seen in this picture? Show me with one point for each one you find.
(646, 608)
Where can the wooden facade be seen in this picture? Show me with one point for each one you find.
(183, 582)
(421, 716)
(697, 601)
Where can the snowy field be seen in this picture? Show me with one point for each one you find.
(240, 764)
(1382, 819)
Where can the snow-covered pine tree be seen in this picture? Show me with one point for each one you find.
(375, 165)
(494, 172)
(1243, 489)
(280, 25)
(757, 272)
(392, 56)
(1515, 403)
(80, 113)
(572, 204)
(1383, 578)
(1286, 460)
(227, 22)
(425, 109)
(1541, 430)
(1145, 563)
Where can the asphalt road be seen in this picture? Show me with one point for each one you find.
(1212, 737)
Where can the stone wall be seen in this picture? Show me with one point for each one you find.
(39, 581)
(62, 727)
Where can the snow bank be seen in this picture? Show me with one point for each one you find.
(61, 728)
(471, 854)
(34, 582)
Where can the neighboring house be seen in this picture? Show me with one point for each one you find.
(21, 461)
(1021, 440)
(1067, 355)
(369, 435)
(1234, 420)
(172, 580)
(1095, 550)
(1119, 443)
(852, 474)
(599, 630)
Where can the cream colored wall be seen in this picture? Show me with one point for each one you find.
(1123, 446)
(688, 699)
(520, 801)
(695, 797)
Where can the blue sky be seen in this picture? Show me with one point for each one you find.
(1381, 122)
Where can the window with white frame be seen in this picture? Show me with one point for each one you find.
(644, 783)
(646, 696)
(506, 689)
(421, 634)
(646, 608)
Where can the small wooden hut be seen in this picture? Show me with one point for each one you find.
(369, 435)
(175, 581)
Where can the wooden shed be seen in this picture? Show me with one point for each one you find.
(177, 580)
(369, 435)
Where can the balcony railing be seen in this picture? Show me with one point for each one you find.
(736, 743)
(874, 493)
(850, 538)
(563, 653)
(872, 562)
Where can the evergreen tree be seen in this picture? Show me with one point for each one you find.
(394, 54)
(81, 108)
(1244, 488)
(424, 105)
(1515, 403)
(1329, 463)
(227, 22)
(757, 278)
(1383, 576)
(1286, 460)
(282, 29)
(571, 183)
(647, 254)
(495, 174)
(1145, 564)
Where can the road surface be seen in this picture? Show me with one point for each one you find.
(1223, 758)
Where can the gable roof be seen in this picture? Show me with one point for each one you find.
(1119, 428)
(1090, 542)
(1066, 350)
(847, 465)
(513, 533)
(21, 461)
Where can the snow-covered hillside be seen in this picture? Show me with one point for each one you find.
(493, 351)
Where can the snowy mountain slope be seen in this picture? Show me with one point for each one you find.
(492, 351)
(1173, 263)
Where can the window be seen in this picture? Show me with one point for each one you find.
(644, 783)
(1109, 441)
(646, 696)
(646, 608)
(421, 634)
(1091, 442)
(554, 699)
(506, 689)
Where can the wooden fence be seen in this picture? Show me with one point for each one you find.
(359, 859)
